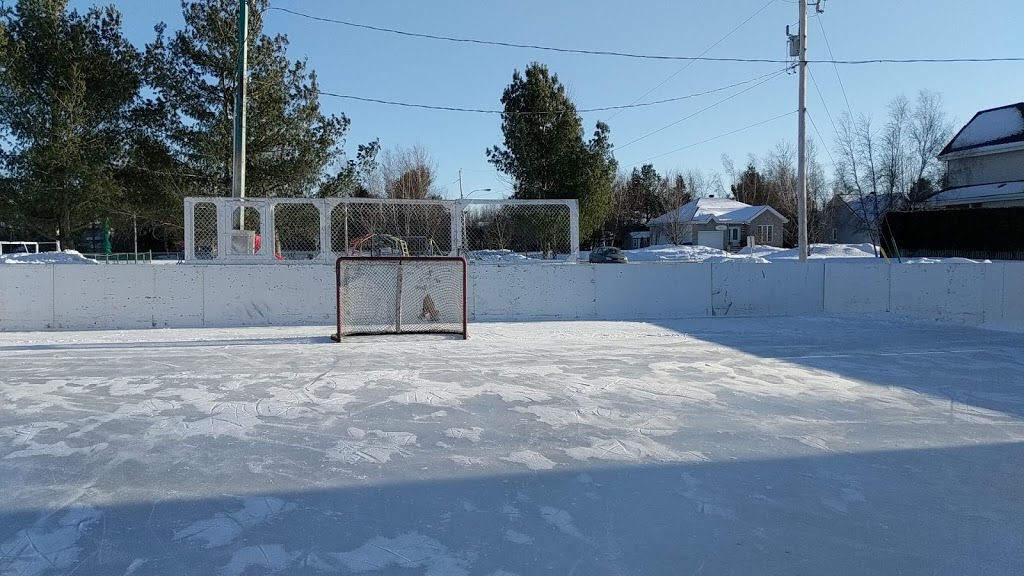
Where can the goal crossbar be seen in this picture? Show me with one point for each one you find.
(401, 295)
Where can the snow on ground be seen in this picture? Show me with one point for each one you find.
(761, 254)
(945, 261)
(712, 446)
(65, 257)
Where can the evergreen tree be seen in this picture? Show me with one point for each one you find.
(69, 84)
(544, 148)
(293, 147)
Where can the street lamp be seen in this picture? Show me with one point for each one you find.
(475, 191)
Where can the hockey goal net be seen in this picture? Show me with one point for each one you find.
(401, 295)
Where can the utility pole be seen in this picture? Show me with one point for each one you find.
(238, 167)
(461, 197)
(801, 197)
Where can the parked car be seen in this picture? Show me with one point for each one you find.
(607, 255)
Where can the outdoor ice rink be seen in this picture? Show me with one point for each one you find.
(715, 446)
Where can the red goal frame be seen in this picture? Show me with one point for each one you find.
(337, 336)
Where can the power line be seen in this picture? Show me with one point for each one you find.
(838, 76)
(820, 139)
(823, 103)
(702, 110)
(690, 63)
(528, 113)
(738, 130)
(636, 55)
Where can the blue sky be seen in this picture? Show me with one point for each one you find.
(389, 67)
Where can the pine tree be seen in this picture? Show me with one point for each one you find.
(69, 83)
(293, 147)
(545, 151)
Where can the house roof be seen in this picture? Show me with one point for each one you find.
(996, 192)
(995, 127)
(871, 207)
(723, 210)
(641, 234)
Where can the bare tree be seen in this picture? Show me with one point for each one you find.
(882, 170)
(406, 173)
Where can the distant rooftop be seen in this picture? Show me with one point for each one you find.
(998, 192)
(704, 210)
(993, 127)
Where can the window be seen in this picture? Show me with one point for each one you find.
(765, 233)
(835, 234)
(734, 234)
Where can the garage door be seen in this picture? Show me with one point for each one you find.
(711, 238)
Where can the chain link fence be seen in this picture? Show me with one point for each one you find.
(320, 230)
(500, 231)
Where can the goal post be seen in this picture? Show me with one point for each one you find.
(401, 295)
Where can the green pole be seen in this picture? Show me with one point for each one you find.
(238, 173)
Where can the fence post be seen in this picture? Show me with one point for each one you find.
(325, 230)
(190, 232)
(458, 214)
(574, 229)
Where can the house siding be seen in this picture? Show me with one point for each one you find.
(1003, 167)
(768, 218)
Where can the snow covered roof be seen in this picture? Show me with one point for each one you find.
(871, 207)
(642, 234)
(724, 210)
(997, 192)
(998, 126)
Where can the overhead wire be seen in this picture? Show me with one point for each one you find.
(634, 55)
(531, 113)
(708, 49)
(820, 139)
(838, 76)
(713, 138)
(702, 110)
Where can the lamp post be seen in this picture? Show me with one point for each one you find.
(475, 191)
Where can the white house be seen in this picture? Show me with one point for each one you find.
(985, 162)
(718, 223)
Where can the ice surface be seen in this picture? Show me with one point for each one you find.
(712, 446)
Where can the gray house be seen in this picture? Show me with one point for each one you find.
(985, 162)
(852, 219)
(718, 223)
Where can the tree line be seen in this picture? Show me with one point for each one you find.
(95, 128)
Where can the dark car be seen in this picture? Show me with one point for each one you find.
(607, 255)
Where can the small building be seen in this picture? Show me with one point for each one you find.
(719, 223)
(640, 239)
(985, 162)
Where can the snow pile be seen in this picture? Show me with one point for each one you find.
(497, 256)
(671, 253)
(65, 257)
(761, 255)
(990, 126)
(816, 252)
(945, 261)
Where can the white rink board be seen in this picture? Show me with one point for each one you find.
(778, 289)
(66, 297)
(652, 292)
(857, 287)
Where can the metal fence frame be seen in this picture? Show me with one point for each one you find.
(265, 207)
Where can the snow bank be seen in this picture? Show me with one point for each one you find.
(497, 256)
(65, 257)
(945, 261)
(761, 255)
(817, 252)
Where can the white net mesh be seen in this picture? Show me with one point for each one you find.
(401, 296)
